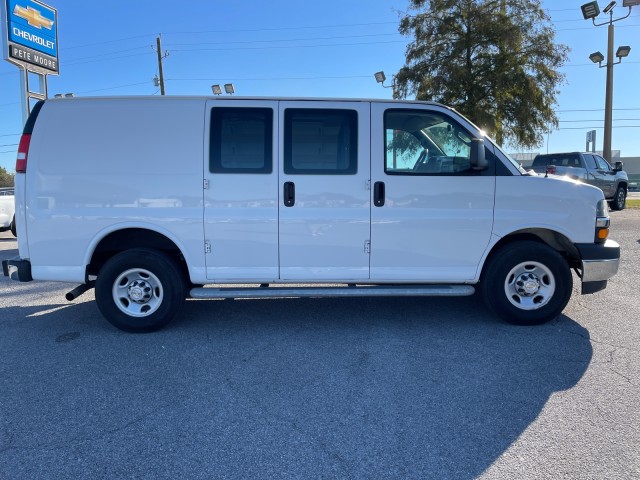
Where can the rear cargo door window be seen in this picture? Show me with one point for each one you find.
(321, 141)
(241, 140)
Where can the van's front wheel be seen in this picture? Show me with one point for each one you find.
(139, 290)
(527, 283)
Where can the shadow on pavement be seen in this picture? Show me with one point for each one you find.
(304, 388)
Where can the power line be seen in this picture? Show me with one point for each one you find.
(106, 41)
(100, 58)
(601, 120)
(268, 78)
(288, 46)
(593, 128)
(116, 87)
(591, 27)
(109, 55)
(276, 29)
(73, 60)
(595, 110)
(337, 37)
(85, 91)
(587, 64)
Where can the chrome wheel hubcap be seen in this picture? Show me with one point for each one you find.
(530, 285)
(137, 292)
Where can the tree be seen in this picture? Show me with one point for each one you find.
(495, 61)
(6, 179)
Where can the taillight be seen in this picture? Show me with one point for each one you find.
(551, 169)
(23, 153)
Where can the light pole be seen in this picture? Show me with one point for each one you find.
(229, 89)
(381, 78)
(590, 11)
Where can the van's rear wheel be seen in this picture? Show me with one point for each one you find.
(139, 290)
(527, 283)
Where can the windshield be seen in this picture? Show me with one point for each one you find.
(449, 139)
(506, 155)
(487, 139)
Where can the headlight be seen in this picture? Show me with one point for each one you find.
(602, 221)
(602, 210)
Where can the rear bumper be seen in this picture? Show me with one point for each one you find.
(17, 269)
(600, 262)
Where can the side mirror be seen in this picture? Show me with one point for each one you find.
(617, 167)
(478, 160)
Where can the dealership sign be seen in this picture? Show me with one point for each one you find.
(30, 35)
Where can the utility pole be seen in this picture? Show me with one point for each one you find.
(160, 57)
(608, 97)
(590, 11)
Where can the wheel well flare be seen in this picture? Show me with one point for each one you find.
(130, 238)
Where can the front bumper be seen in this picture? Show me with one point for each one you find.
(17, 269)
(600, 262)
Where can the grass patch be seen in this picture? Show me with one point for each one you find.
(633, 202)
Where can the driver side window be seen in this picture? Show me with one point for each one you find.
(419, 142)
(603, 164)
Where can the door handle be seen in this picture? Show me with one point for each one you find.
(289, 194)
(378, 194)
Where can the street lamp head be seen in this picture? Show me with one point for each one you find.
(216, 89)
(630, 3)
(623, 51)
(380, 77)
(609, 7)
(590, 10)
(228, 89)
(596, 57)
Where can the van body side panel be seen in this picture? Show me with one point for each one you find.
(556, 204)
(325, 158)
(432, 228)
(241, 203)
(97, 163)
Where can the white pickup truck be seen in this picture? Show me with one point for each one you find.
(7, 210)
(154, 200)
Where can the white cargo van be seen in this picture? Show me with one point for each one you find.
(150, 199)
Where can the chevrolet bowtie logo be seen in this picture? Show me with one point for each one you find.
(33, 17)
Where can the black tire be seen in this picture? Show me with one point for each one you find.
(527, 283)
(140, 290)
(619, 199)
(13, 227)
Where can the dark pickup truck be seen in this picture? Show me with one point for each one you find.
(589, 168)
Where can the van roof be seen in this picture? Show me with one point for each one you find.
(249, 98)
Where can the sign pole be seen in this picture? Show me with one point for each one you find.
(24, 94)
(30, 40)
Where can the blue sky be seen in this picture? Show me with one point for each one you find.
(312, 49)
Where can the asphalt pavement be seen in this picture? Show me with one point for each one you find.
(323, 388)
